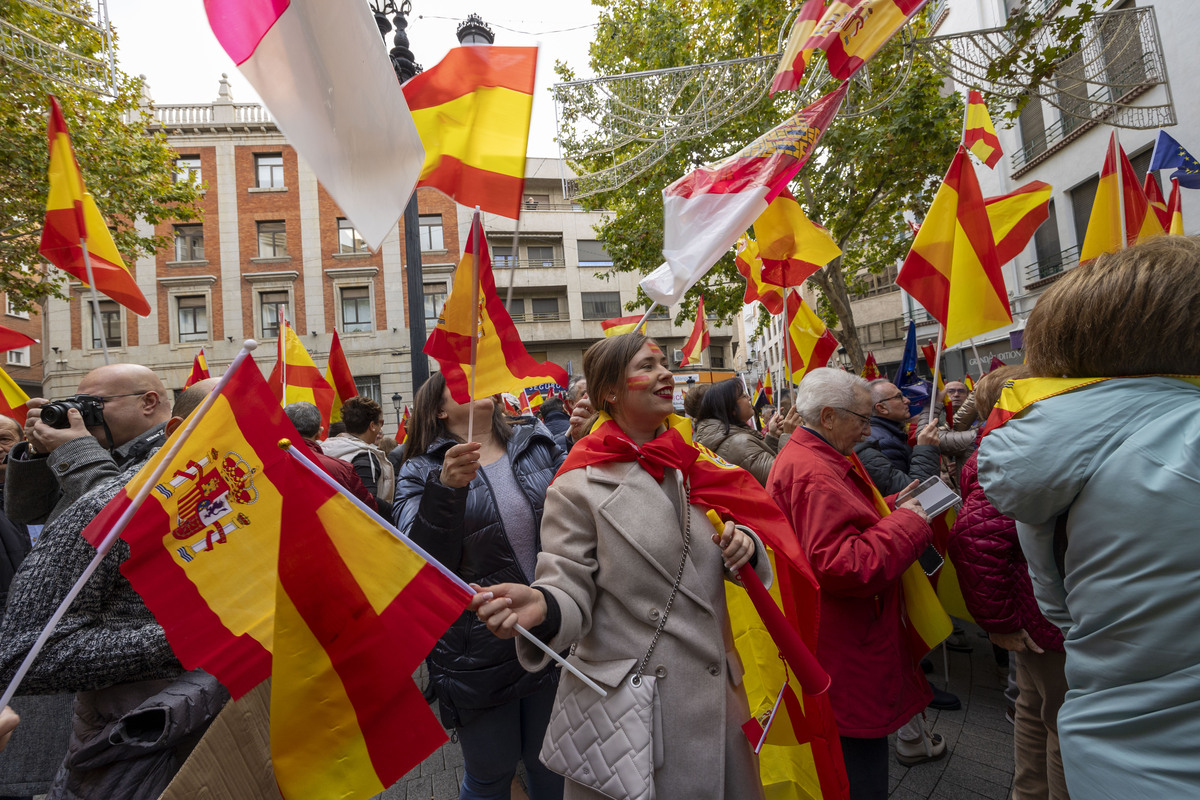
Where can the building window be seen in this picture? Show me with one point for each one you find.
(431, 232)
(12, 311)
(545, 309)
(541, 255)
(193, 317)
(348, 239)
(503, 257)
(108, 325)
(516, 309)
(356, 309)
(368, 386)
(189, 242)
(272, 239)
(19, 357)
(601, 305)
(891, 330)
(187, 170)
(717, 358)
(593, 254)
(271, 304)
(435, 298)
(532, 201)
(269, 169)
(1082, 198)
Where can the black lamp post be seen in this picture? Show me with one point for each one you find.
(398, 404)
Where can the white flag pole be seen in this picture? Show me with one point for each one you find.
(477, 235)
(99, 321)
(937, 363)
(173, 447)
(645, 317)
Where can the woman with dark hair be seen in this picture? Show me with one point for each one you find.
(722, 426)
(476, 506)
(631, 581)
(1103, 479)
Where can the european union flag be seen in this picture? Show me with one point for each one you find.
(1170, 153)
(908, 380)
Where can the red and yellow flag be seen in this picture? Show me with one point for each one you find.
(952, 268)
(12, 398)
(199, 369)
(810, 342)
(339, 377)
(767, 391)
(929, 350)
(501, 362)
(969, 382)
(472, 111)
(620, 325)
(11, 339)
(795, 57)
(1019, 394)
(1118, 191)
(791, 246)
(1175, 210)
(402, 430)
(1155, 197)
(871, 368)
(72, 219)
(1015, 217)
(699, 340)
(979, 134)
(750, 265)
(296, 378)
(862, 28)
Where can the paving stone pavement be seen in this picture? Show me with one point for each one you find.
(977, 766)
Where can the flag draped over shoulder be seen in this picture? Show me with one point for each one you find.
(979, 134)
(328, 83)
(339, 378)
(199, 370)
(699, 339)
(12, 398)
(810, 342)
(296, 378)
(705, 211)
(72, 219)
(1118, 191)
(750, 265)
(501, 362)
(795, 57)
(1169, 153)
(792, 247)
(472, 110)
(619, 325)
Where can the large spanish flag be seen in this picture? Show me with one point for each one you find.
(296, 378)
(472, 110)
(796, 53)
(501, 362)
(699, 340)
(792, 247)
(73, 222)
(750, 265)
(979, 134)
(12, 398)
(1118, 191)
(810, 342)
(339, 378)
(862, 30)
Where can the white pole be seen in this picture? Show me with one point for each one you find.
(173, 447)
(99, 321)
(645, 317)
(937, 363)
(1121, 193)
(477, 234)
(787, 349)
(978, 360)
(516, 261)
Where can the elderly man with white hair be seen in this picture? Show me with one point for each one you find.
(858, 556)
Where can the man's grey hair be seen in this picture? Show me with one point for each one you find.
(576, 388)
(827, 386)
(305, 417)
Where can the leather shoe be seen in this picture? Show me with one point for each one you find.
(944, 701)
(930, 747)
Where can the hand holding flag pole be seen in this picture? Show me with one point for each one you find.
(173, 448)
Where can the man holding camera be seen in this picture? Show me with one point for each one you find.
(117, 417)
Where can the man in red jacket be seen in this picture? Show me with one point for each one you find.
(858, 557)
(307, 419)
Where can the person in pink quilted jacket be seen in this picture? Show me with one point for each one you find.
(995, 584)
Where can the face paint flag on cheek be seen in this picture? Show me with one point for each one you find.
(638, 383)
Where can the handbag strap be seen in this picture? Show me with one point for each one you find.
(636, 680)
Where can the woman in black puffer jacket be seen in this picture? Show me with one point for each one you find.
(476, 506)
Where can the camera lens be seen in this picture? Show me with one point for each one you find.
(55, 415)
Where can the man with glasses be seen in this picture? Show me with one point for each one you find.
(890, 461)
(56, 466)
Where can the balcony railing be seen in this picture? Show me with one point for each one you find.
(508, 262)
(542, 316)
(174, 116)
(538, 205)
(1046, 270)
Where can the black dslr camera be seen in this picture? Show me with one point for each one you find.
(89, 407)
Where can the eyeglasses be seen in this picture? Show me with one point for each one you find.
(115, 396)
(866, 420)
(899, 395)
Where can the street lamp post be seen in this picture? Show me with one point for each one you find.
(398, 403)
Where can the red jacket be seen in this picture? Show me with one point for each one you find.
(992, 570)
(342, 472)
(858, 558)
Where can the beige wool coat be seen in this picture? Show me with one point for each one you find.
(612, 540)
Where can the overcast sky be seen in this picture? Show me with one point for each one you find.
(169, 42)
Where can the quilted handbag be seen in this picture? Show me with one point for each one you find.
(612, 744)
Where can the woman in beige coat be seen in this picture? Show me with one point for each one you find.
(612, 542)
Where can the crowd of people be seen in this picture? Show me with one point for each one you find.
(582, 527)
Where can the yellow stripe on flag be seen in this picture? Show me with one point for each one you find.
(478, 128)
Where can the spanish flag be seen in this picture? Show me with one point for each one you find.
(1155, 196)
(699, 340)
(1018, 395)
(501, 363)
(402, 431)
(791, 246)
(256, 565)
(73, 222)
(472, 111)
(810, 342)
(339, 378)
(12, 398)
(795, 57)
(750, 265)
(296, 378)
(863, 27)
(1175, 210)
(619, 325)
(1118, 191)
(979, 134)
(199, 369)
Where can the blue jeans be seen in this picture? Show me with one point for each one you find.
(494, 741)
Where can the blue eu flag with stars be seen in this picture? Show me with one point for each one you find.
(1169, 153)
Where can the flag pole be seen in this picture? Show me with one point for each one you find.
(978, 360)
(787, 348)
(937, 363)
(174, 444)
(516, 256)
(282, 357)
(645, 317)
(1120, 169)
(433, 562)
(477, 235)
(87, 265)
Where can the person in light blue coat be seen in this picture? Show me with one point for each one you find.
(1104, 482)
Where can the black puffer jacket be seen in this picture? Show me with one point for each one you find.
(470, 668)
